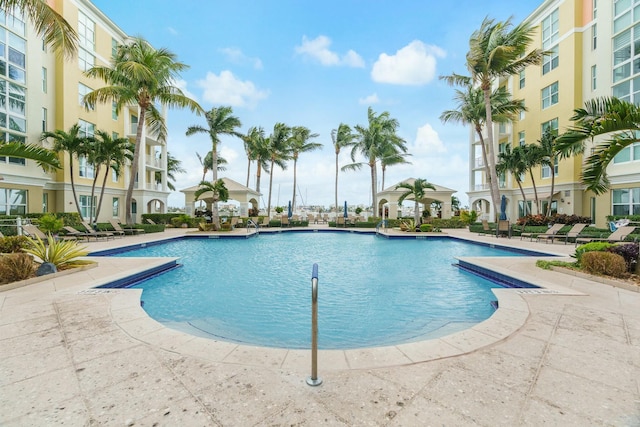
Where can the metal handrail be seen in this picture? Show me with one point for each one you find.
(314, 380)
(251, 222)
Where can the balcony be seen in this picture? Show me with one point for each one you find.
(479, 162)
(153, 161)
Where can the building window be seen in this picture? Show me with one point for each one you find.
(522, 79)
(550, 125)
(114, 47)
(13, 56)
(85, 59)
(502, 147)
(86, 32)
(625, 201)
(87, 208)
(114, 175)
(594, 85)
(83, 90)
(521, 140)
(546, 169)
(13, 122)
(13, 202)
(524, 209)
(114, 110)
(116, 207)
(595, 9)
(86, 129)
(44, 80)
(550, 95)
(630, 153)
(594, 36)
(85, 169)
(44, 120)
(550, 36)
(45, 202)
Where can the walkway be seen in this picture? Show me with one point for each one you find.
(73, 355)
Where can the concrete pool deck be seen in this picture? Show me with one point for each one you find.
(566, 355)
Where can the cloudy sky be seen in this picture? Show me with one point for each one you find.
(318, 64)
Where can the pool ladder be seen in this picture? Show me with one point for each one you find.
(250, 223)
(314, 380)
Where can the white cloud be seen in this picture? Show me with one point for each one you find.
(414, 64)
(318, 49)
(228, 89)
(182, 85)
(369, 100)
(172, 31)
(236, 56)
(428, 141)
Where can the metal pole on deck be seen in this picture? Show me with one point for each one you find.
(314, 380)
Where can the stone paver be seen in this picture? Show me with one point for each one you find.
(70, 355)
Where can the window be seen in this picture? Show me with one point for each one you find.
(15, 53)
(85, 59)
(546, 169)
(86, 32)
(114, 175)
(114, 110)
(594, 37)
(595, 9)
(625, 201)
(502, 147)
(554, 206)
(134, 125)
(630, 153)
(13, 202)
(522, 78)
(85, 169)
(550, 95)
(594, 85)
(502, 180)
(13, 122)
(551, 124)
(44, 120)
(550, 36)
(86, 128)
(44, 80)
(521, 140)
(87, 206)
(116, 207)
(522, 206)
(45, 202)
(82, 91)
(114, 47)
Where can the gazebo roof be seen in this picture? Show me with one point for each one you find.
(237, 191)
(392, 194)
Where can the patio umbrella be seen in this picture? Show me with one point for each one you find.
(345, 209)
(503, 207)
(289, 212)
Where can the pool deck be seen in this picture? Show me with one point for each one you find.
(565, 355)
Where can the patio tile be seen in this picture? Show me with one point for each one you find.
(29, 365)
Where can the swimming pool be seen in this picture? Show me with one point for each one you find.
(372, 291)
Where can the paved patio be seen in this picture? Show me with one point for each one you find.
(566, 355)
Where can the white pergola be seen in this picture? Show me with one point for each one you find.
(247, 197)
(390, 196)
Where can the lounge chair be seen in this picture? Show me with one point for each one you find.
(574, 233)
(150, 221)
(617, 236)
(122, 231)
(70, 231)
(284, 221)
(550, 233)
(97, 234)
(485, 228)
(34, 232)
(503, 228)
(311, 219)
(265, 222)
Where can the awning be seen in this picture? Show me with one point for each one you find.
(541, 196)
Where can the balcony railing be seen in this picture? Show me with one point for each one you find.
(479, 187)
(153, 161)
(479, 162)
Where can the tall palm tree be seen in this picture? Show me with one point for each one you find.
(219, 192)
(74, 144)
(251, 140)
(470, 110)
(391, 156)
(111, 153)
(532, 155)
(497, 49)
(46, 159)
(417, 191)
(279, 148)
(548, 157)
(207, 163)
(146, 77)
(300, 137)
(48, 23)
(618, 120)
(341, 137)
(372, 142)
(174, 166)
(513, 161)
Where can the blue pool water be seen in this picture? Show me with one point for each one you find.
(372, 291)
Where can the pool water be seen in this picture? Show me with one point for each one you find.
(372, 291)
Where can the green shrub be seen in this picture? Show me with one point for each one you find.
(468, 217)
(14, 267)
(604, 263)
(591, 247)
(425, 228)
(13, 244)
(49, 223)
(448, 223)
(62, 253)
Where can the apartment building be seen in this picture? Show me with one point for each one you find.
(42, 91)
(595, 52)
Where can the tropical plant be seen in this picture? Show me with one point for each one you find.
(513, 161)
(15, 267)
(206, 163)
(46, 159)
(146, 77)
(255, 145)
(74, 143)
(48, 23)
(417, 191)
(373, 142)
(174, 166)
(50, 223)
(341, 137)
(279, 149)
(468, 217)
(13, 244)
(390, 156)
(61, 253)
(219, 192)
(549, 156)
(299, 143)
(497, 49)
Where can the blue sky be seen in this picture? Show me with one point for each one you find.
(317, 64)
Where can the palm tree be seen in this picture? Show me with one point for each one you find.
(300, 136)
(341, 137)
(46, 159)
(532, 156)
(617, 119)
(390, 157)
(146, 77)
(513, 161)
(207, 163)
(174, 166)
(417, 190)
(372, 142)
(548, 157)
(219, 192)
(253, 138)
(279, 149)
(471, 110)
(48, 23)
(73, 143)
(497, 49)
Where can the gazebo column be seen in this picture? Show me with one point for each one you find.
(446, 210)
(393, 210)
(244, 208)
(189, 204)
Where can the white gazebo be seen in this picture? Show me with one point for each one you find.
(247, 197)
(389, 198)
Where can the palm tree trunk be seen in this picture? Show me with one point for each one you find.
(248, 171)
(258, 173)
(553, 179)
(373, 187)
(416, 213)
(524, 198)
(73, 185)
(293, 199)
(384, 169)
(493, 174)
(104, 184)
(134, 166)
(215, 216)
(535, 191)
(96, 172)
(336, 186)
(270, 187)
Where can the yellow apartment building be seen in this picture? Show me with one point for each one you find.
(42, 91)
(592, 55)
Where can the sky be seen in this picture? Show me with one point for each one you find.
(318, 64)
